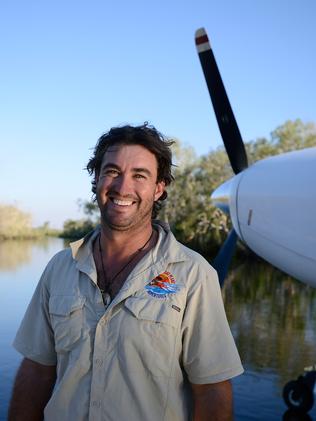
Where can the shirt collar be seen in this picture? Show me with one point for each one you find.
(167, 249)
(80, 249)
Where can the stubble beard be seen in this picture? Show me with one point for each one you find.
(136, 221)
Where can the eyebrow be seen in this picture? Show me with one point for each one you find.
(110, 165)
(135, 170)
(144, 170)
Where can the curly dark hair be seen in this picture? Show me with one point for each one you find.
(148, 137)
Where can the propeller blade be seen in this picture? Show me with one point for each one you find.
(224, 114)
(222, 260)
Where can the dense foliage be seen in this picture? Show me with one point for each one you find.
(77, 229)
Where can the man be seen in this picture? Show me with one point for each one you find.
(128, 324)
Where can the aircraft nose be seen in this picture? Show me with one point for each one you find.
(222, 195)
(225, 197)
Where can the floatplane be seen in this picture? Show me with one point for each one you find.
(271, 205)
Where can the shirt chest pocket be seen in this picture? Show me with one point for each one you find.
(66, 314)
(148, 336)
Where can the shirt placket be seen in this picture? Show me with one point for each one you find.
(104, 342)
(101, 352)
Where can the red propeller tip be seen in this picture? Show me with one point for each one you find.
(201, 40)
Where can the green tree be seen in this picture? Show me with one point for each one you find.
(294, 135)
(90, 208)
(188, 209)
(290, 136)
(74, 229)
(14, 223)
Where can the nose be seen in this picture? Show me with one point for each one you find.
(122, 185)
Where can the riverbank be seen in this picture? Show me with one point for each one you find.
(31, 234)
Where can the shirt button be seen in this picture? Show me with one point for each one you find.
(98, 361)
(96, 404)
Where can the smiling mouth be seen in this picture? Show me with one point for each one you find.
(120, 202)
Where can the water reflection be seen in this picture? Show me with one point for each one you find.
(17, 253)
(21, 265)
(14, 253)
(273, 319)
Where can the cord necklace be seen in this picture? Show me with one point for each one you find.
(110, 281)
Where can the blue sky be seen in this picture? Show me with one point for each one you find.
(70, 70)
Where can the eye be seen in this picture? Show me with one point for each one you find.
(111, 172)
(139, 176)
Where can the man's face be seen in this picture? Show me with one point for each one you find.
(127, 187)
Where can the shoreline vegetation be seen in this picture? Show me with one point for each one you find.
(16, 224)
(188, 209)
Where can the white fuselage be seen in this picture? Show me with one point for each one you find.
(272, 205)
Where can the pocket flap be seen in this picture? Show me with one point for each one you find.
(64, 305)
(154, 311)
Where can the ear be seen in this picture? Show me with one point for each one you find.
(160, 188)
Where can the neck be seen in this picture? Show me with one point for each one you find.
(123, 243)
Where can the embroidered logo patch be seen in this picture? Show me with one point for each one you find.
(163, 285)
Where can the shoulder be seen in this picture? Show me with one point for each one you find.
(190, 257)
(189, 265)
(174, 251)
(60, 259)
(58, 268)
(197, 260)
(195, 270)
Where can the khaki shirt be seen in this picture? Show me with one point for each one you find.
(129, 360)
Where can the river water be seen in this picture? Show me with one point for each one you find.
(272, 317)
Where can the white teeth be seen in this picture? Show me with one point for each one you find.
(122, 202)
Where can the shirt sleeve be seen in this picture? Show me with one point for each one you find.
(209, 351)
(35, 337)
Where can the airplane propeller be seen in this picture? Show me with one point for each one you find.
(224, 256)
(224, 114)
(231, 137)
